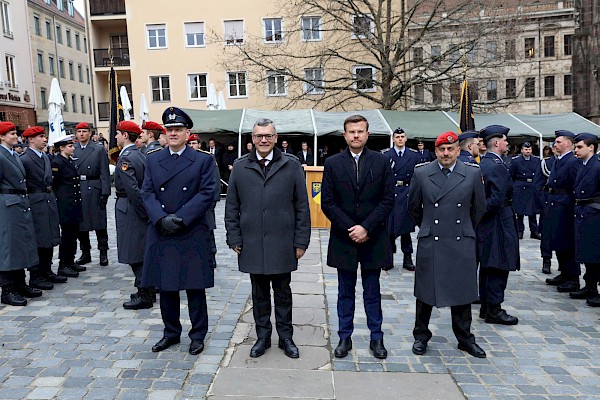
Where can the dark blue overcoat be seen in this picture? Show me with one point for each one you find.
(403, 168)
(523, 173)
(587, 216)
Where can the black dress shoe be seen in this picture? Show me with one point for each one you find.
(387, 267)
(67, 271)
(378, 349)
(407, 263)
(85, 258)
(104, 258)
(343, 348)
(593, 301)
(557, 280)
(289, 348)
(164, 344)
(41, 284)
(419, 347)
(568, 286)
(78, 268)
(546, 263)
(12, 298)
(473, 349)
(536, 236)
(496, 315)
(196, 347)
(142, 300)
(27, 291)
(583, 294)
(53, 278)
(259, 348)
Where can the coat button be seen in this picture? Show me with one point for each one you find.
(162, 206)
(458, 238)
(395, 195)
(435, 205)
(459, 205)
(162, 189)
(89, 166)
(184, 189)
(458, 221)
(357, 205)
(436, 222)
(436, 238)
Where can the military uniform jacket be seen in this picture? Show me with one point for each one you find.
(560, 203)
(447, 211)
(466, 157)
(65, 183)
(268, 216)
(523, 173)
(540, 183)
(366, 202)
(497, 236)
(92, 166)
(184, 186)
(18, 250)
(152, 146)
(42, 199)
(403, 167)
(587, 216)
(425, 156)
(130, 214)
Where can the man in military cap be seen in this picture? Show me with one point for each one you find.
(587, 217)
(523, 170)
(497, 238)
(560, 208)
(540, 184)
(469, 148)
(130, 215)
(178, 190)
(43, 207)
(403, 161)
(91, 162)
(446, 200)
(17, 249)
(152, 132)
(424, 154)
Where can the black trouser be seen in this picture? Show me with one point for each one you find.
(261, 304)
(405, 243)
(12, 278)
(567, 264)
(533, 225)
(461, 322)
(84, 240)
(169, 309)
(137, 269)
(592, 276)
(492, 283)
(68, 244)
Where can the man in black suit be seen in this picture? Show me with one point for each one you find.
(285, 147)
(305, 155)
(357, 196)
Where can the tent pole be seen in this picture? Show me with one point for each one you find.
(240, 133)
(541, 140)
(315, 148)
(388, 126)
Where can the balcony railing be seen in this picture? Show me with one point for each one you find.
(107, 7)
(120, 57)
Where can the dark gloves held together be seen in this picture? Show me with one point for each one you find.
(170, 225)
(103, 200)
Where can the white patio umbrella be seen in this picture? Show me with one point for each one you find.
(126, 104)
(221, 101)
(211, 99)
(144, 111)
(56, 102)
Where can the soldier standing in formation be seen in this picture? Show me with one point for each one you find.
(523, 170)
(540, 184)
(469, 148)
(17, 249)
(130, 215)
(152, 133)
(91, 162)
(497, 238)
(43, 207)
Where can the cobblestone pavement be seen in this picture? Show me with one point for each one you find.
(78, 342)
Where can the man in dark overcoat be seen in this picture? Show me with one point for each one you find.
(587, 217)
(130, 215)
(523, 170)
(177, 192)
(357, 195)
(424, 154)
(446, 200)
(403, 161)
(540, 187)
(268, 225)
(17, 247)
(91, 162)
(43, 208)
(469, 149)
(305, 155)
(560, 210)
(497, 237)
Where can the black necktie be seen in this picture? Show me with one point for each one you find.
(263, 165)
(446, 172)
(175, 156)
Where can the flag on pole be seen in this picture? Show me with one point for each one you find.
(116, 115)
(467, 121)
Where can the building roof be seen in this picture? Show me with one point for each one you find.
(77, 18)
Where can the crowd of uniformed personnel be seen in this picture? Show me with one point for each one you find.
(167, 188)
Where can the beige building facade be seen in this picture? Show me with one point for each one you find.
(59, 49)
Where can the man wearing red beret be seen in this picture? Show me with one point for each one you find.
(446, 200)
(17, 251)
(43, 207)
(151, 135)
(92, 165)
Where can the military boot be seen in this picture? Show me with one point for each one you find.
(104, 258)
(85, 258)
(407, 263)
(142, 301)
(496, 315)
(12, 297)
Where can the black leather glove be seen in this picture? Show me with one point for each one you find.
(103, 200)
(170, 224)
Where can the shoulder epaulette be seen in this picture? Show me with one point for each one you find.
(413, 150)
(383, 151)
(422, 164)
(515, 157)
(154, 151)
(470, 164)
(204, 151)
(498, 161)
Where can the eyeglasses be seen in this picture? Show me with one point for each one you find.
(268, 136)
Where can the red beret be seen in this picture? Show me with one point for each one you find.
(6, 127)
(129, 126)
(446, 138)
(193, 136)
(83, 125)
(153, 126)
(33, 131)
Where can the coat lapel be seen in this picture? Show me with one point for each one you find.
(365, 165)
(15, 160)
(453, 180)
(585, 170)
(174, 165)
(436, 175)
(349, 166)
(82, 154)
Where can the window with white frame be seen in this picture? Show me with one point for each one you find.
(194, 34)
(11, 70)
(161, 89)
(5, 11)
(43, 98)
(364, 77)
(71, 9)
(362, 26)
(157, 36)
(60, 5)
(198, 87)
(36, 25)
(51, 64)
(314, 81)
(276, 84)
(48, 29)
(273, 30)
(311, 29)
(40, 61)
(234, 32)
(236, 81)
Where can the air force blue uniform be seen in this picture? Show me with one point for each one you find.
(465, 156)
(523, 172)
(540, 184)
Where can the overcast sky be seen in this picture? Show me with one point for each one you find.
(79, 6)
